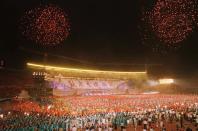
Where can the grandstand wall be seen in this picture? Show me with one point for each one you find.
(76, 81)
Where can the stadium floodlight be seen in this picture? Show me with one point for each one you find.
(166, 81)
(48, 67)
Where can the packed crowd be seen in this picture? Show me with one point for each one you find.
(104, 113)
(67, 84)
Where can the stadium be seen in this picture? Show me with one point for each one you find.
(77, 97)
(99, 65)
(88, 82)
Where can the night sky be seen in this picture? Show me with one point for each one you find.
(104, 35)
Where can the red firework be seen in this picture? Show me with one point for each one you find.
(47, 25)
(171, 21)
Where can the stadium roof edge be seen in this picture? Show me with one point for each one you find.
(57, 68)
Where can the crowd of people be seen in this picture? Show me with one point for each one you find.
(68, 84)
(103, 113)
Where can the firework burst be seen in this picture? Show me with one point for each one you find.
(169, 22)
(48, 25)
